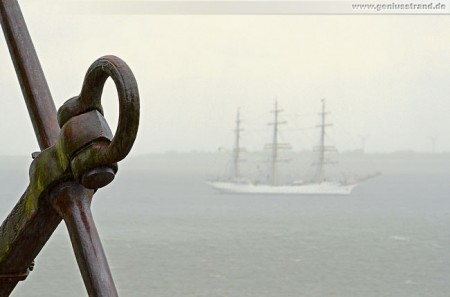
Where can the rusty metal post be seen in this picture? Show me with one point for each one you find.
(22, 236)
(38, 98)
(75, 161)
(72, 202)
(37, 226)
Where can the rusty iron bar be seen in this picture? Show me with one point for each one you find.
(85, 155)
(75, 161)
(72, 202)
(37, 225)
(22, 235)
(38, 98)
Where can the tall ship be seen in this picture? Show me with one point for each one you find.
(317, 183)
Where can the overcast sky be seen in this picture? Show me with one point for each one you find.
(385, 78)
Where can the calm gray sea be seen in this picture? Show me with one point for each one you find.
(168, 234)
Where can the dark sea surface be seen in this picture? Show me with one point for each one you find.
(168, 234)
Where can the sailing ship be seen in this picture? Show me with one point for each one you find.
(317, 184)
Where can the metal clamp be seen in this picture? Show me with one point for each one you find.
(93, 151)
(74, 161)
(86, 150)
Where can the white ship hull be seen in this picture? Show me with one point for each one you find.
(325, 188)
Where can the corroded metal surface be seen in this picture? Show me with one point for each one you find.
(32, 81)
(72, 202)
(79, 155)
(84, 155)
(104, 152)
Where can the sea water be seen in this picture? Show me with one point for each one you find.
(168, 234)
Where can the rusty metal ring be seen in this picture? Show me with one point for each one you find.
(90, 99)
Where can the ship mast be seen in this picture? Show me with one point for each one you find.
(275, 146)
(237, 149)
(322, 148)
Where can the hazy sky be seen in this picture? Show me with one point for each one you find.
(384, 77)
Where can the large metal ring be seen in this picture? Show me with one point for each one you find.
(90, 99)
